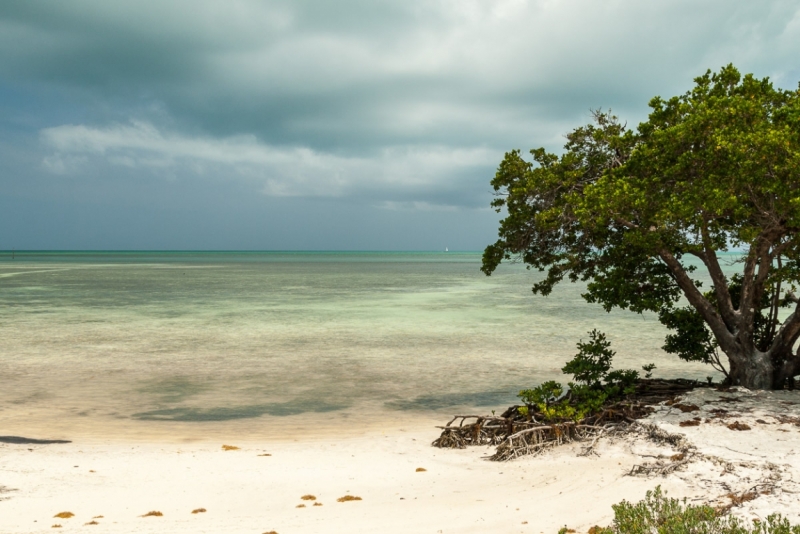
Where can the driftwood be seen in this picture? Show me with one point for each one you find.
(517, 435)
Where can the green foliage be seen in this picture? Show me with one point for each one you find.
(594, 384)
(691, 340)
(545, 399)
(621, 382)
(662, 515)
(591, 369)
(590, 400)
(714, 169)
(542, 395)
(593, 361)
(648, 370)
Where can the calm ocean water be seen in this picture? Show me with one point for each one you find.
(197, 344)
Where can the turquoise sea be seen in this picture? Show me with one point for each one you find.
(196, 344)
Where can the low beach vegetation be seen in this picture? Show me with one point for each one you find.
(711, 181)
(658, 514)
(597, 401)
(594, 384)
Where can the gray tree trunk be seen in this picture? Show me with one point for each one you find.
(753, 371)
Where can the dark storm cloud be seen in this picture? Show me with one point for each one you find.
(400, 105)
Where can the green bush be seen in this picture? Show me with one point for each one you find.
(593, 361)
(657, 514)
(545, 399)
(594, 383)
(591, 369)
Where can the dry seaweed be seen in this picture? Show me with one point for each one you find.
(736, 425)
(663, 465)
(348, 498)
(153, 513)
(64, 515)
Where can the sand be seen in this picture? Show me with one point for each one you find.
(258, 487)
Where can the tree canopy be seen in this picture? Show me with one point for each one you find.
(633, 212)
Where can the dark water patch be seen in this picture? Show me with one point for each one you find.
(278, 409)
(34, 397)
(19, 440)
(448, 400)
(174, 389)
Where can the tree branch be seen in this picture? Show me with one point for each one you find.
(776, 298)
(747, 284)
(789, 331)
(711, 262)
(753, 283)
(724, 336)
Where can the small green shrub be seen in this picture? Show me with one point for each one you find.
(542, 395)
(593, 361)
(594, 383)
(657, 514)
(544, 399)
(589, 399)
(591, 367)
(648, 370)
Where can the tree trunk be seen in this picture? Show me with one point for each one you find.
(786, 371)
(753, 371)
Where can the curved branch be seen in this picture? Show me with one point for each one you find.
(711, 262)
(724, 336)
(789, 331)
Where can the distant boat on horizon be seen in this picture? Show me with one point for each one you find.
(445, 249)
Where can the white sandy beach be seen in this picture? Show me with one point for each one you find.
(459, 491)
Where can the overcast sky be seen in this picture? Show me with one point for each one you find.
(320, 125)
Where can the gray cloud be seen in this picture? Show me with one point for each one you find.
(280, 171)
(398, 105)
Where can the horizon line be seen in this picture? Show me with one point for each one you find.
(318, 251)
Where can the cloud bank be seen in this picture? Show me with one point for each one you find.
(401, 105)
(283, 171)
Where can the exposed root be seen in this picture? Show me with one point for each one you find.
(537, 439)
(515, 434)
(663, 466)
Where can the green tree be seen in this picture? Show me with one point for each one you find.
(631, 213)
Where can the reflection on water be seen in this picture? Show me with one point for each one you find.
(100, 344)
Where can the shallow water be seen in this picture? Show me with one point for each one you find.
(198, 344)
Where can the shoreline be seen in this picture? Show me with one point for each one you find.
(458, 491)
